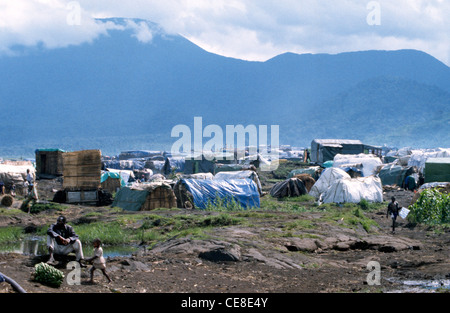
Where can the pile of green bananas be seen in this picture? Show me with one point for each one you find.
(48, 275)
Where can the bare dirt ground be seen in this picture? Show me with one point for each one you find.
(259, 257)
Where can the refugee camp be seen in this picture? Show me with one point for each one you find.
(215, 154)
(152, 206)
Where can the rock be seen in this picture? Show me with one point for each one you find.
(231, 253)
(299, 244)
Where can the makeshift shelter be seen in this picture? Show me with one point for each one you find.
(136, 154)
(291, 187)
(323, 150)
(49, 162)
(419, 158)
(16, 174)
(367, 163)
(307, 180)
(199, 193)
(240, 175)
(112, 181)
(145, 197)
(126, 175)
(392, 174)
(82, 169)
(328, 176)
(314, 171)
(437, 170)
(202, 165)
(353, 190)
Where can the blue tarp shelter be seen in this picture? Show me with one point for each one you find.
(204, 192)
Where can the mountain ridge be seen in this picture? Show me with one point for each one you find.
(90, 95)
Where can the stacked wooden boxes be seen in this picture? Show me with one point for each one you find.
(82, 170)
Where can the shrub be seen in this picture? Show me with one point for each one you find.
(432, 207)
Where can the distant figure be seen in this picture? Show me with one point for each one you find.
(30, 181)
(98, 261)
(392, 211)
(2, 188)
(12, 189)
(62, 239)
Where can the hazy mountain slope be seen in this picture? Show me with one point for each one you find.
(118, 93)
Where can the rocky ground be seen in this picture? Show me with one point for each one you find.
(260, 257)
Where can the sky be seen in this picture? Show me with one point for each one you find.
(254, 30)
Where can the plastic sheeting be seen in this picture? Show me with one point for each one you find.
(240, 175)
(393, 174)
(204, 192)
(369, 162)
(325, 180)
(292, 187)
(353, 190)
(418, 158)
(114, 175)
(309, 170)
(437, 170)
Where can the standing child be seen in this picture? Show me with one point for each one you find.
(98, 261)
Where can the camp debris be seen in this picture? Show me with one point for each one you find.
(291, 187)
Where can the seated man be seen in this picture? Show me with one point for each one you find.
(62, 239)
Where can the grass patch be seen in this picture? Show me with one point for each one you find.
(109, 233)
(300, 224)
(11, 234)
(350, 217)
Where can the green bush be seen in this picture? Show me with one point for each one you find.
(432, 207)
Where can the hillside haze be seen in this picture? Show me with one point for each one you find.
(118, 93)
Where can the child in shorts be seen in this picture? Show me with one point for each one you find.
(98, 261)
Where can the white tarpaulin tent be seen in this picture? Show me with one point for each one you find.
(328, 176)
(418, 158)
(240, 175)
(353, 190)
(368, 163)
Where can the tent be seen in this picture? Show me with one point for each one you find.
(323, 150)
(112, 181)
(313, 171)
(418, 158)
(367, 163)
(291, 187)
(201, 192)
(203, 165)
(393, 174)
(145, 197)
(437, 170)
(354, 190)
(328, 176)
(240, 175)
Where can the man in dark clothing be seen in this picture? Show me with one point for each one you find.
(393, 210)
(62, 239)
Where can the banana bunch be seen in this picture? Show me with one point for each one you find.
(48, 275)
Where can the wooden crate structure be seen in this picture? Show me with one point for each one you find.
(49, 162)
(82, 170)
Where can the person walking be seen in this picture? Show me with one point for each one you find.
(392, 211)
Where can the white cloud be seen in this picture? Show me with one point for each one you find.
(246, 29)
